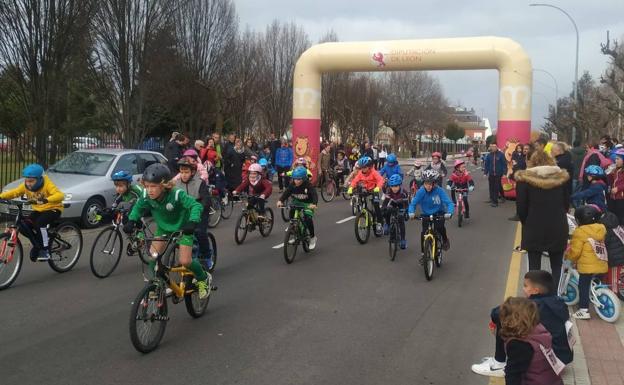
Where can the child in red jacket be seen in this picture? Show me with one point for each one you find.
(258, 189)
(460, 179)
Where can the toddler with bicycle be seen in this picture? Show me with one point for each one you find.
(303, 194)
(47, 206)
(396, 198)
(460, 179)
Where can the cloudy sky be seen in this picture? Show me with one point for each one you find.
(545, 33)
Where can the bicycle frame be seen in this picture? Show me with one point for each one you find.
(571, 275)
(459, 197)
(162, 271)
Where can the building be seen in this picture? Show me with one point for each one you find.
(477, 128)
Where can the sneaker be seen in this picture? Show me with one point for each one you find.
(582, 314)
(44, 255)
(489, 367)
(225, 200)
(403, 244)
(385, 229)
(378, 228)
(519, 249)
(446, 245)
(312, 243)
(168, 292)
(203, 287)
(493, 204)
(34, 254)
(130, 250)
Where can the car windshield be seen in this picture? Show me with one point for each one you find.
(84, 163)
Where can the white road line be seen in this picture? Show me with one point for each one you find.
(279, 246)
(346, 219)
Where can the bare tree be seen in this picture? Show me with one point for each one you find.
(123, 31)
(38, 41)
(613, 78)
(280, 47)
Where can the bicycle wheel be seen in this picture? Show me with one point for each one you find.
(328, 191)
(610, 309)
(195, 306)
(362, 227)
(438, 252)
(393, 240)
(290, 244)
(571, 296)
(213, 247)
(355, 207)
(460, 214)
(11, 260)
(148, 318)
(285, 212)
(428, 259)
(267, 224)
(345, 196)
(227, 208)
(214, 213)
(65, 247)
(240, 232)
(106, 252)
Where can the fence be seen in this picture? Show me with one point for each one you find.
(17, 152)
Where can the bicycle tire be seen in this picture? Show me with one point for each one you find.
(610, 311)
(227, 209)
(195, 306)
(393, 240)
(428, 260)
(241, 221)
(214, 213)
(142, 302)
(460, 215)
(354, 207)
(290, 249)
(18, 257)
(214, 254)
(438, 254)
(328, 191)
(362, 230)
(267, 225)
(61, 243)
(571, 296)
(345, 196)
(106, 262)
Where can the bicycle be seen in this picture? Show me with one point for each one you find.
(226, 203)
(394, 231)
(357, 201)
(64, 240)
(460, 208)
(365, 219)
(296, 234)
(606, 303)
(285, 214)
(106, 250)
(249, 219)
(149, 309)
(432, 246)
(413, 188)
(329, 187)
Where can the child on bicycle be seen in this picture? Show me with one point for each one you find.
(395, 197)
(391, 167)
(584, 251)
(433, 201)
(372, 182)
(256, 186)
(47, 206)
(341, 167)
(267, 169)
(304, 194)
(125, 190)
(191, 183)
(173, 210)
(595, 192)
(437, 165)
(460, 179)
(416, 173)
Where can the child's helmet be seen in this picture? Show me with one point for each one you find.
(365, 161)
(186, 163)
(263, 162)
(34, 171)
(436, 154)
(255, 168)
(391, 159)
(395, 180)
(122, 176)
(190, 152)
(620, 153)
(458, 163)
(587, 214)
(254, 158)
(430, 175)
(300, 173)
(157, 173)
(594, 170)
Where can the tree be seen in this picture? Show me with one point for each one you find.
(613, 78)
(454, 132)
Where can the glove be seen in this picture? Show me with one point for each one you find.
(471, 188)
(129, 227)
(376, 190)
(189, 228)
(447, 216)
(350, 190)
(412, 215)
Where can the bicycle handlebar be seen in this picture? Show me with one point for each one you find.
(434, 217)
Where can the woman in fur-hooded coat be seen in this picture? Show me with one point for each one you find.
(541, 202)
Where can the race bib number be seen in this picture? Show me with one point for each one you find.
(599, 248)
(554, 361)
(619, 231)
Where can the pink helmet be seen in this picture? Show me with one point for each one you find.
(190, 152)
(436, 154)
(458, 163)
(255, 168)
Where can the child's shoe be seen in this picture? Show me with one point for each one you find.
(582, 314)
(385, 229)
(403, 244)
(489, 367)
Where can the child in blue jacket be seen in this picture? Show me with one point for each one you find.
(596, 191)
(433, 200)
(391, 167)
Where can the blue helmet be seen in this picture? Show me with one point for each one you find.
(34, 171)
(122, 176)
(395, 180)
(365, 161)
(263, 162)
(300, 173)
(391, 159)
(594, 170)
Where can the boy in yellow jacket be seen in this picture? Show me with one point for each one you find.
(584, 251)
(47, 204)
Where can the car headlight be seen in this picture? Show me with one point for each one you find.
(68, 196)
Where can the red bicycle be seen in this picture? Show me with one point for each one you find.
(460, 208)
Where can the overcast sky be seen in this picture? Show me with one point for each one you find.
(545, 33)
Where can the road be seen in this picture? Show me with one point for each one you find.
(342, 314)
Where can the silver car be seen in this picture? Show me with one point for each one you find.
(85, 178)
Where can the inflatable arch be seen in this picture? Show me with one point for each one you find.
(503, 54)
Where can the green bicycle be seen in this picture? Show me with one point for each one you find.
(296, 233)
(365, 219)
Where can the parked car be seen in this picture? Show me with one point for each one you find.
(85, 178)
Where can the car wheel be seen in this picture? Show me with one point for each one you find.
(88, 218)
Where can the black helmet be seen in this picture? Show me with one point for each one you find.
(587, 214)
(157, 173)
(184, 162)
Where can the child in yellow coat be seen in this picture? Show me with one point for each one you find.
(584, 248)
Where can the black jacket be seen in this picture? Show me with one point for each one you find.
(564, 161)
(541, 203)
(305, 193)
(615, 247)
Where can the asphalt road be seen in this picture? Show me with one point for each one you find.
(342, 314)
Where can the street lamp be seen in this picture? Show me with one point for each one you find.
(575, 66)
(556, 85)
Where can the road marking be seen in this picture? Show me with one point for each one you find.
(346, 219)
(511, 289)
(279, 246)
